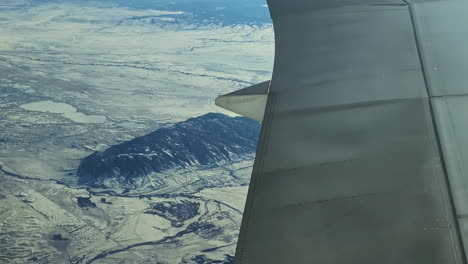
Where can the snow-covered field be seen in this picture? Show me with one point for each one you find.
(79, 76)
(109, 57)
(33, 212)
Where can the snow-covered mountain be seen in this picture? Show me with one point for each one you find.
(204, 140)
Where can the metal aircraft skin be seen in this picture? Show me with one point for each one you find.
(363, 154)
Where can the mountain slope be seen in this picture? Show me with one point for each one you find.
(204, 140)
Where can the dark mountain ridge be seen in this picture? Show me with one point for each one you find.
(203, 140)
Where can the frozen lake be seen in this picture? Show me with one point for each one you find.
(65, 110)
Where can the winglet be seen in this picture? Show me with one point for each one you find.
(249, 102)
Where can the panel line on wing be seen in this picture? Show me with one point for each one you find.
(422, 61)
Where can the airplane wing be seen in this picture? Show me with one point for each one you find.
(363, 154)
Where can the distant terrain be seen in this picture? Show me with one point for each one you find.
(110, 147)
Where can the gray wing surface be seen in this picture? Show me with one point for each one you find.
(364, 145)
